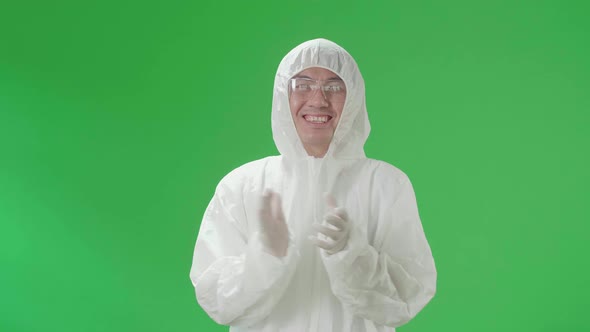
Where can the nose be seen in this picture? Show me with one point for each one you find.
(318, 99)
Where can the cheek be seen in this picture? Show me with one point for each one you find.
(294, 105)
(338, 109)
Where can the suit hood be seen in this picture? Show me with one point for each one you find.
(353, 127)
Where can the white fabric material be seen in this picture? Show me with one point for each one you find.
(382, 278)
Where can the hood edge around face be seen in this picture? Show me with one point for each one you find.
(353, 128)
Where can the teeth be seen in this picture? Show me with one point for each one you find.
(316, 119)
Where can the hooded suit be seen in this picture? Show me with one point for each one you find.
(382, 278)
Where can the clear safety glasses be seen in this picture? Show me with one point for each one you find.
(306, 88)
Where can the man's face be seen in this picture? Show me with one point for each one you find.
(316, 100)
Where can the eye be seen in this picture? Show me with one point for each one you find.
(303, 87)
(333, 88)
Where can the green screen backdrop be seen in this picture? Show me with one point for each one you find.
(119, 118)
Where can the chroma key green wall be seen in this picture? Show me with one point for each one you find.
(118, 119)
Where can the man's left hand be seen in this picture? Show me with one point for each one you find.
(335, 228)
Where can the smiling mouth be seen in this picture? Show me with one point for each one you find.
(317, 118)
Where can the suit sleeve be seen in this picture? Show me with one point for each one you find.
(390, 280)
(236, 281)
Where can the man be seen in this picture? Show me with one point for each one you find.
(320, 238)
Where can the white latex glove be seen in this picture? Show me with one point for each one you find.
(335, 228)
(274, 232)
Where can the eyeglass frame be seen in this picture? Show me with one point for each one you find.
(318, 86)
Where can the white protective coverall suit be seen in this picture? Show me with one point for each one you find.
(382, 278)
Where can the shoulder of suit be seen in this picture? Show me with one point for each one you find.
(384, 171)
(246, 172)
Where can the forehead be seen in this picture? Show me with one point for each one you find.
(318, 73)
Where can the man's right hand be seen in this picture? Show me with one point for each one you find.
(273, 227)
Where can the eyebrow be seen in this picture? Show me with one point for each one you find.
(335, 78)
